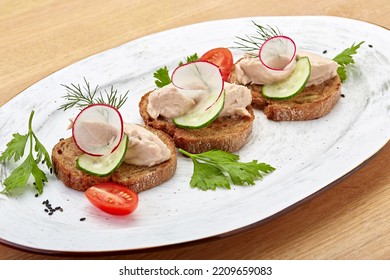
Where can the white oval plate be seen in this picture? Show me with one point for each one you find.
(308, 155)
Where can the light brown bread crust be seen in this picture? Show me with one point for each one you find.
(225, 133)
(312, 103)
(136, 178)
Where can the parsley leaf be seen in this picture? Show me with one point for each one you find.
(42, 154)
(19, 175)
(242, 173)
(162, 74)
(190, 58)
(345, 58)
(15, 149)
(342, 73)
(208, 177)
(162, 77)
(218, 168)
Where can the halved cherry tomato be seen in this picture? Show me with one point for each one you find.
(223, 58)
(112, 198)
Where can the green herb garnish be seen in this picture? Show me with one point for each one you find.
(162, 77)
(81, 97)
(15, 149)
(218, 168)
(345, 58)
(162, 74)
(252, 44)
(190, 58)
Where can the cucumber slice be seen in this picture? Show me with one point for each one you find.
(200, 77)
(293, 84)
(203, 116)
(104, 165)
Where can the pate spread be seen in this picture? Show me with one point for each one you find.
(322, 69)
(250, 70)
(169, 102)
(144, 148)
(237, 98)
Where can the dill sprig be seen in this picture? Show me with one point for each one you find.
(251, 43)
(80, 97)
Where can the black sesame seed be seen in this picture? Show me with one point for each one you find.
(49, 209)
(51, 170)
(82, 219)
(36, 195)
(325, 51)
(342, 95)
(370, 46)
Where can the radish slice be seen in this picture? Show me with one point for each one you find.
(201, 80)
(98, 129)
(277, 52)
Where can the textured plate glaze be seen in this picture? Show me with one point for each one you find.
(308, 155)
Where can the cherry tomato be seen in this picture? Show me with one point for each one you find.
(222, 57)
(112, 198)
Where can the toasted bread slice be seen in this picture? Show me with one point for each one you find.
(136, 178)
(312, 103)
(225, 133)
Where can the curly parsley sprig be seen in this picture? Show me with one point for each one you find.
(15, 150)
(218, 168)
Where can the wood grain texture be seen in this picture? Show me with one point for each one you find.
(347, 221)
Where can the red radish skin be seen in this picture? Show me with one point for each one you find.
(87, 122)
(277, 52)
(197, 76)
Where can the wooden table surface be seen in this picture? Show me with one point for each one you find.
(347, 221)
